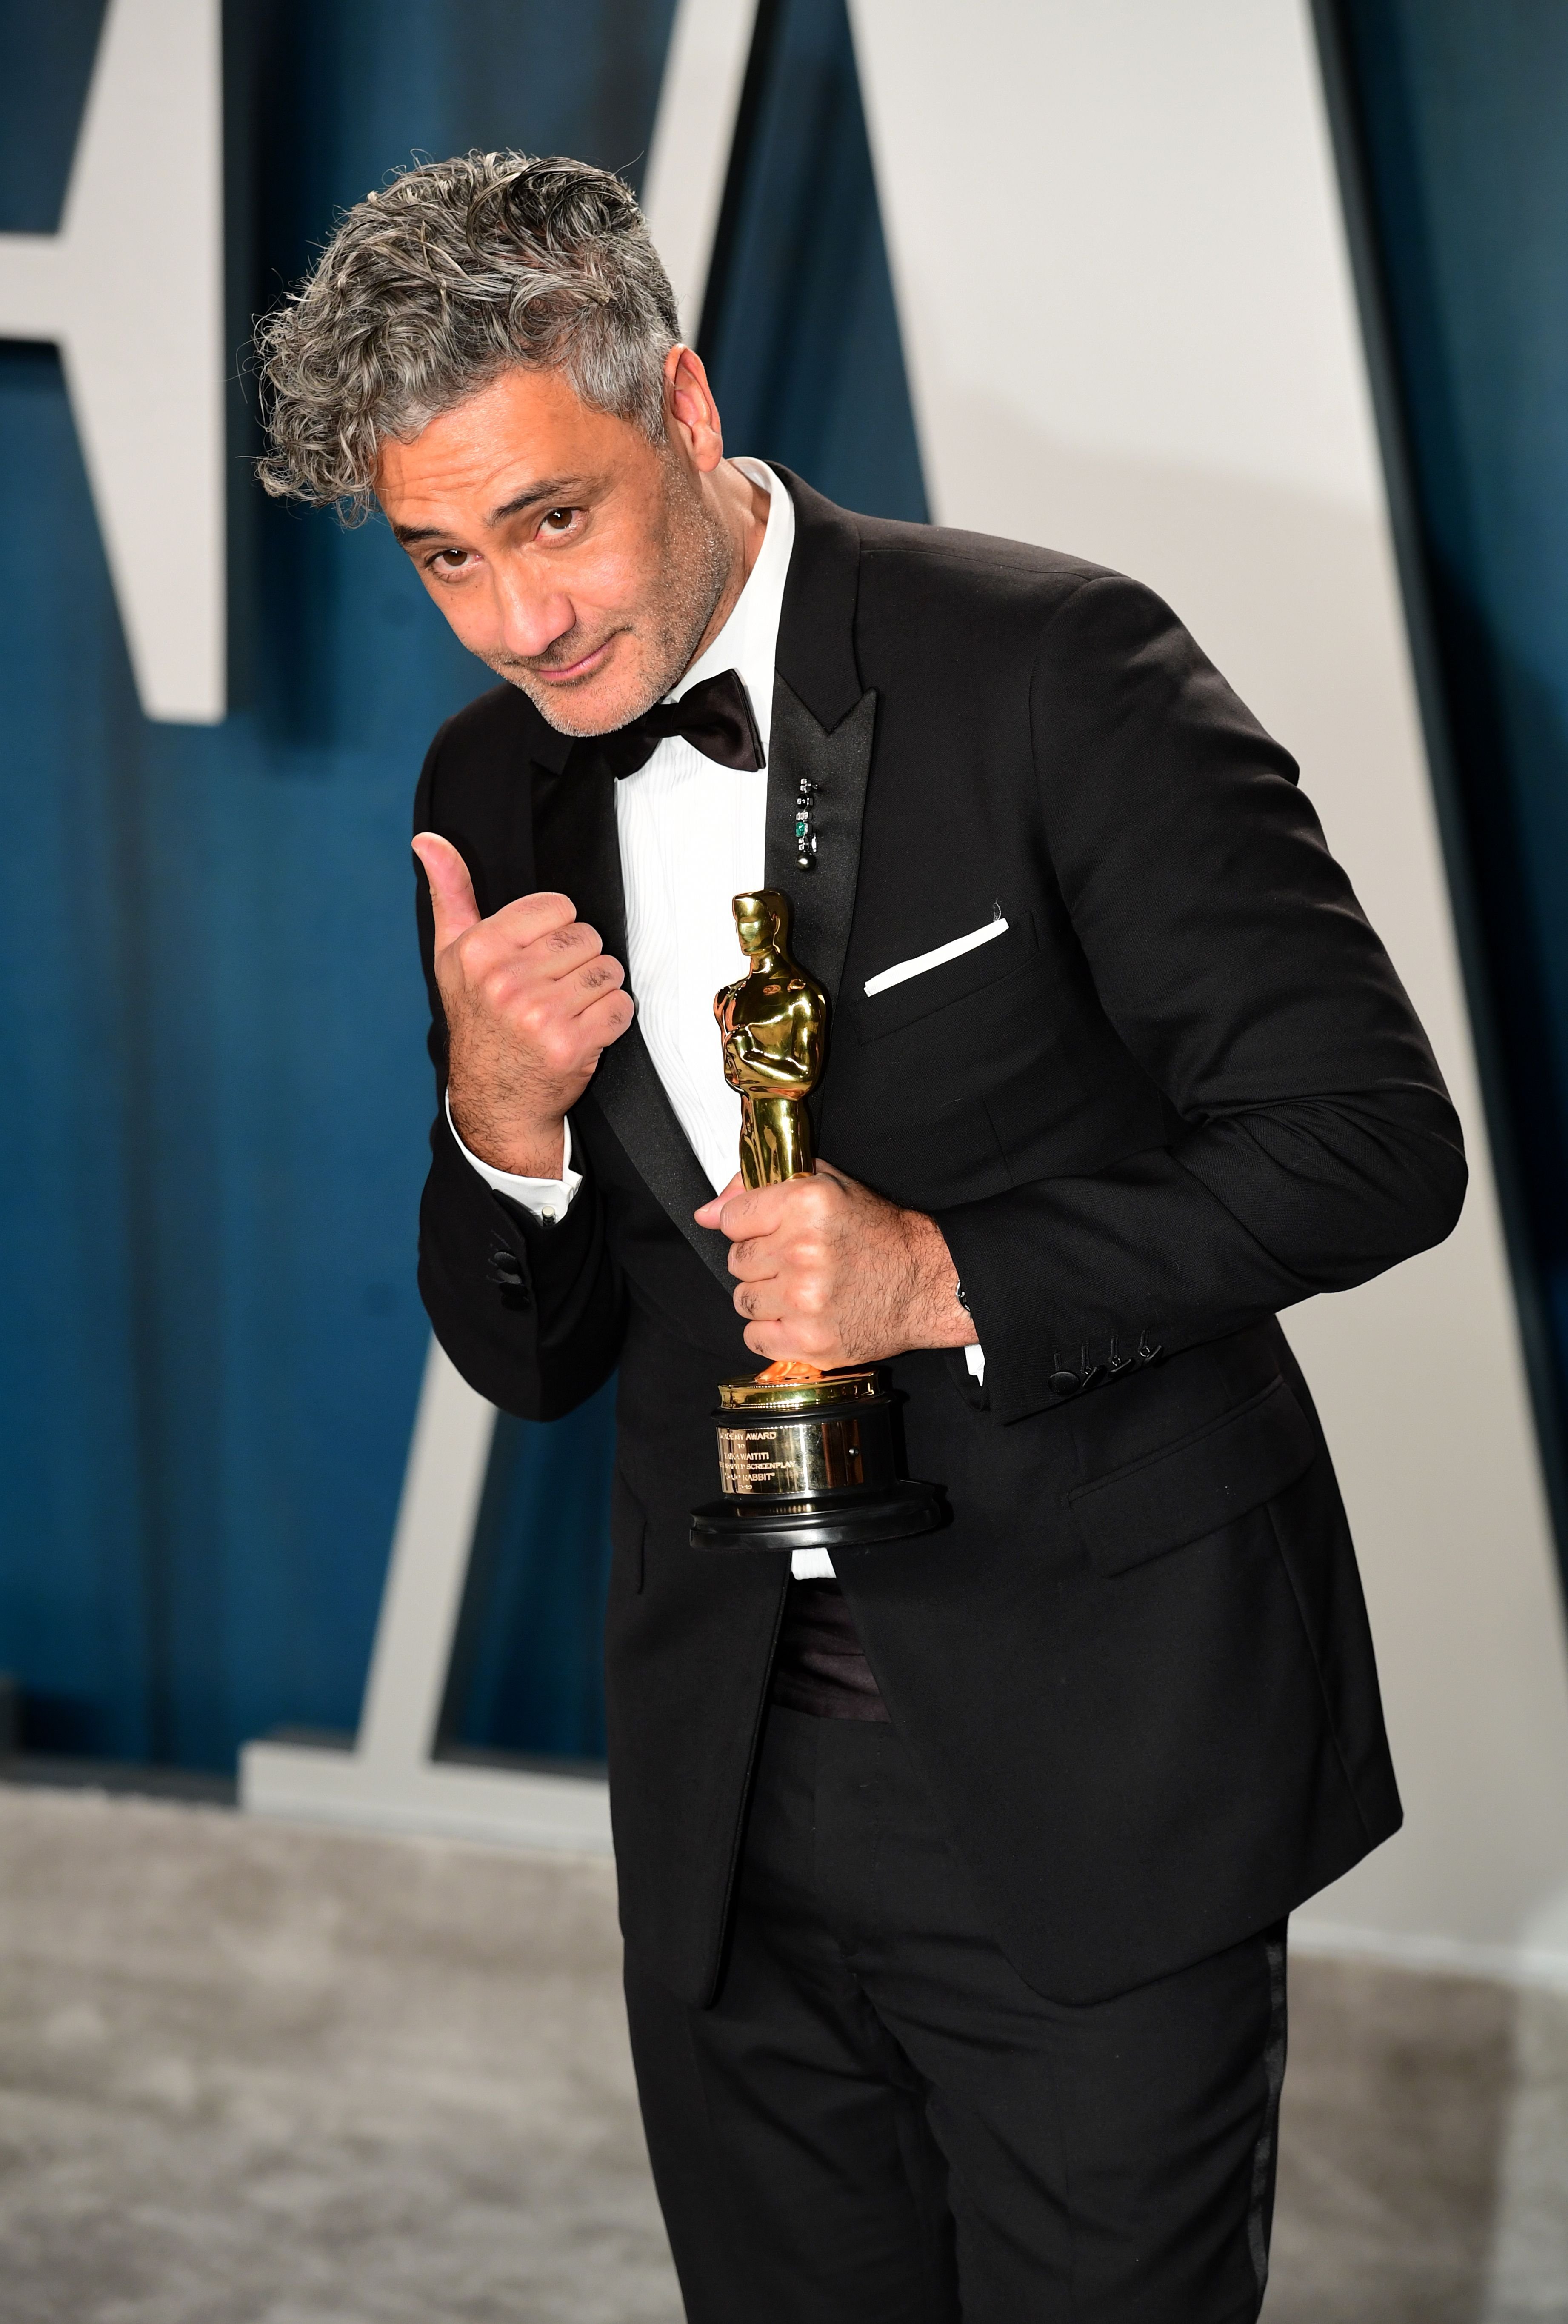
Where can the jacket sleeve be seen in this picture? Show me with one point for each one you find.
(530, 1316)
(1313, 1143)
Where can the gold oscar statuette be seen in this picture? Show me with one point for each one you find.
(807, 1459)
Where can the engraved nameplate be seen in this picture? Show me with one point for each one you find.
(791, 1456)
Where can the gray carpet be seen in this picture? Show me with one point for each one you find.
(258, 2075)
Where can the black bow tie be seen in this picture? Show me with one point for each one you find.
(714, 717)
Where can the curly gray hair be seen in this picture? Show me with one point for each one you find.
(451, 273)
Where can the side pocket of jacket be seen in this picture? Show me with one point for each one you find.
(1204, 1480)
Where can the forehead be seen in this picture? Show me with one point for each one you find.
(523, 433)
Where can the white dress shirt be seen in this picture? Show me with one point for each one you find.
(693, 834)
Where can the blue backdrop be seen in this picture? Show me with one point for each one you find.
(798, 329)
(1453, 116)
(211, 1036)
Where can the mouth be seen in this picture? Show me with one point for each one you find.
(565, 673)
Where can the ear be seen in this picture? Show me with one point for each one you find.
(693, 416)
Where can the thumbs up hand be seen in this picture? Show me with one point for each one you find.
(532, 1002)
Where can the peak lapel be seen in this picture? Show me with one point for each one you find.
(632, 1101)
(823, 722)
(838, 762)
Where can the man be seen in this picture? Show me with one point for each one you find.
(955, 1881)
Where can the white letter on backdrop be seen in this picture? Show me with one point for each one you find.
(131, 289)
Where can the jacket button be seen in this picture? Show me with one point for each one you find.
(506, 1271)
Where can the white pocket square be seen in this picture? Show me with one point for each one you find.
(901, 971)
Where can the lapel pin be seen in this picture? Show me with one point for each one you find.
(804, 825)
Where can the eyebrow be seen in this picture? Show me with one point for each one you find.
(553, 489)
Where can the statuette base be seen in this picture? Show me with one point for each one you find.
(810, 1464)
(851, 1521)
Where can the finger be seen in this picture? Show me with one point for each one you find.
(753, 1210)
(602, 976)
(758, 1303)
(712, 1214)
(774, 1340)
(606, 1021)
(756, 1260)
(451, 889)
(543, 915)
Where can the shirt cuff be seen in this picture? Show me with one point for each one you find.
(549, 1199)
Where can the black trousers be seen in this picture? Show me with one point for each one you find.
(880, 2123)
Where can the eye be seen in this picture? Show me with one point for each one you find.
(447, 562)
(559, 520)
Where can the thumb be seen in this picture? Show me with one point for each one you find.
(712, 1214)
(451, 889)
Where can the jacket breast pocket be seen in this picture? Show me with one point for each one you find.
(1193, 1487)
(874, 1014)
(924, 1087)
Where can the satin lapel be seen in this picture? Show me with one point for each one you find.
(838, 763)
(577, 849)
(632, 1101)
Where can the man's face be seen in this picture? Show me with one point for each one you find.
(577, 559)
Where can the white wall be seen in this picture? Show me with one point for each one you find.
(131, 289)
(1126, 309)
(689, 159)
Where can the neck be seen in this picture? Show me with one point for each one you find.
(743, 510)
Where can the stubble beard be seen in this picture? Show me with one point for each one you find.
(691, 555)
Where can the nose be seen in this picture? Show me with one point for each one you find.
(533, 612)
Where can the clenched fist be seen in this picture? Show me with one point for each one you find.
(832, 1274)
(531, 1001)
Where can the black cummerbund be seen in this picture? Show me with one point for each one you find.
(819, 1667)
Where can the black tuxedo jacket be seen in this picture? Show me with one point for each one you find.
(1184, 1090)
